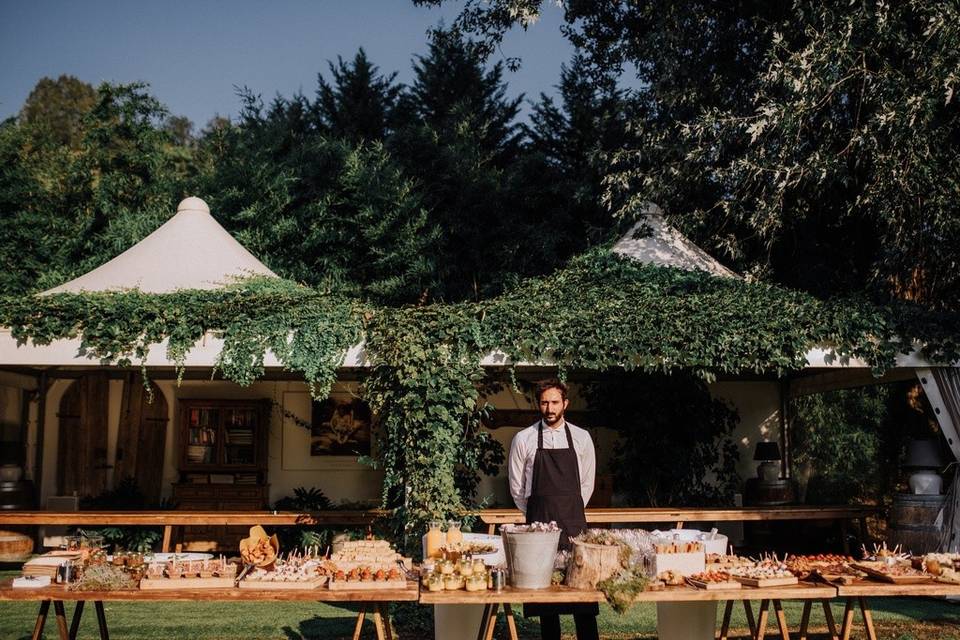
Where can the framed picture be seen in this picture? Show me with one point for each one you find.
(340, 427)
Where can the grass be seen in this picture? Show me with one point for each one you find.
(896, 619)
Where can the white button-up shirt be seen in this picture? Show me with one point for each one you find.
(523, 450)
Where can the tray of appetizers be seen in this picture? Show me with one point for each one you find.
(713, 581)
(769, 572)
(895, 573)
(364, 578)
(828, 567)
(194, 574)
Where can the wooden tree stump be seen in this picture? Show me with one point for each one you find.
(591, 563)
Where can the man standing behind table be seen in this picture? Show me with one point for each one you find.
(552, 466)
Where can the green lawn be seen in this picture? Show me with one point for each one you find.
(900, 619)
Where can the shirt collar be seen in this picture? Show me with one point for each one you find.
(559, 427)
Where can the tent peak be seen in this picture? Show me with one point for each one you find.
(193, 203)
(663, 245)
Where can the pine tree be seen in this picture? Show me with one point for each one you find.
(358, 103)
(576, 138)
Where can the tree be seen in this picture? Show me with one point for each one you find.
(454, 93)
(59, 106)
(180, 129)
(358, 103)
(68, 210)
(575, 138)
(316, 209)
(458, 139)
(810, 143)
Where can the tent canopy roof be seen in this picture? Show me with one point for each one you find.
(653, 241)
(189, 251)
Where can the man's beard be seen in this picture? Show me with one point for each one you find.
(557, 418)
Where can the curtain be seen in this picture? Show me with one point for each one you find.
(942, 386)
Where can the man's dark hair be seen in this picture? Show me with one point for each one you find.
(551, 383)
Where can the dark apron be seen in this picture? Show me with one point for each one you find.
(555, 495)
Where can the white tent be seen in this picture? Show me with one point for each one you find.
(189, 251)
(653, 241)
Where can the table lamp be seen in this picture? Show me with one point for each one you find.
(924, 459)
(768, 455)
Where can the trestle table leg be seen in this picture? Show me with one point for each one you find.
(805, 619)
(61, 620)
(75, 622)
(828, 616)
(781, 620)
(484, 621)
(41, 620)
(511, 622)
(492, 621)
(748, 611)
(378, 623)
(357, 628)
(762, 620)
(101, 620)
(847, 626)
(725, 625)
(867, 619)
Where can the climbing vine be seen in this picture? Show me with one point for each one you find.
(601, 312)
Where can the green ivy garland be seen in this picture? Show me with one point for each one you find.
(602, 312)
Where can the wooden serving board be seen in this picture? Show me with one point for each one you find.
(767, 582)
(162, 584)
(714, 586)
(880, 575)
(369, 585)
(273, 585)
(836, 578)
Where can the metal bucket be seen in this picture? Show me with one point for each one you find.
(530, 557)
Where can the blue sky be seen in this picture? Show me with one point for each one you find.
(193, 54)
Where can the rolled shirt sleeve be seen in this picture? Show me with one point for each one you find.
(515, 470)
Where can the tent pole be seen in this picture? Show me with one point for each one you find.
(784, 427)
(41, 419)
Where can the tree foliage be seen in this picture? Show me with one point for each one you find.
(675, 446)
(58, 107)
(805, 142)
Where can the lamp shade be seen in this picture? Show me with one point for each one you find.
(766, 451)
(923, 454)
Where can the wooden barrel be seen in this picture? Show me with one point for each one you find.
(16, 495)
(14, 547)
(912, 522)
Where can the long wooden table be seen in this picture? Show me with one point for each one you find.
(679, 517)
(369, 600)
(372, 601)
(169, 519)
(491, 517)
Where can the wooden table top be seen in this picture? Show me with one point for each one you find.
(488, 516)
(875, 588)
(627, 515)
(58, 592)
(180, 518)
(802, 591)
(510, 594)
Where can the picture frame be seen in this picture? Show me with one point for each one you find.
(340, 426)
